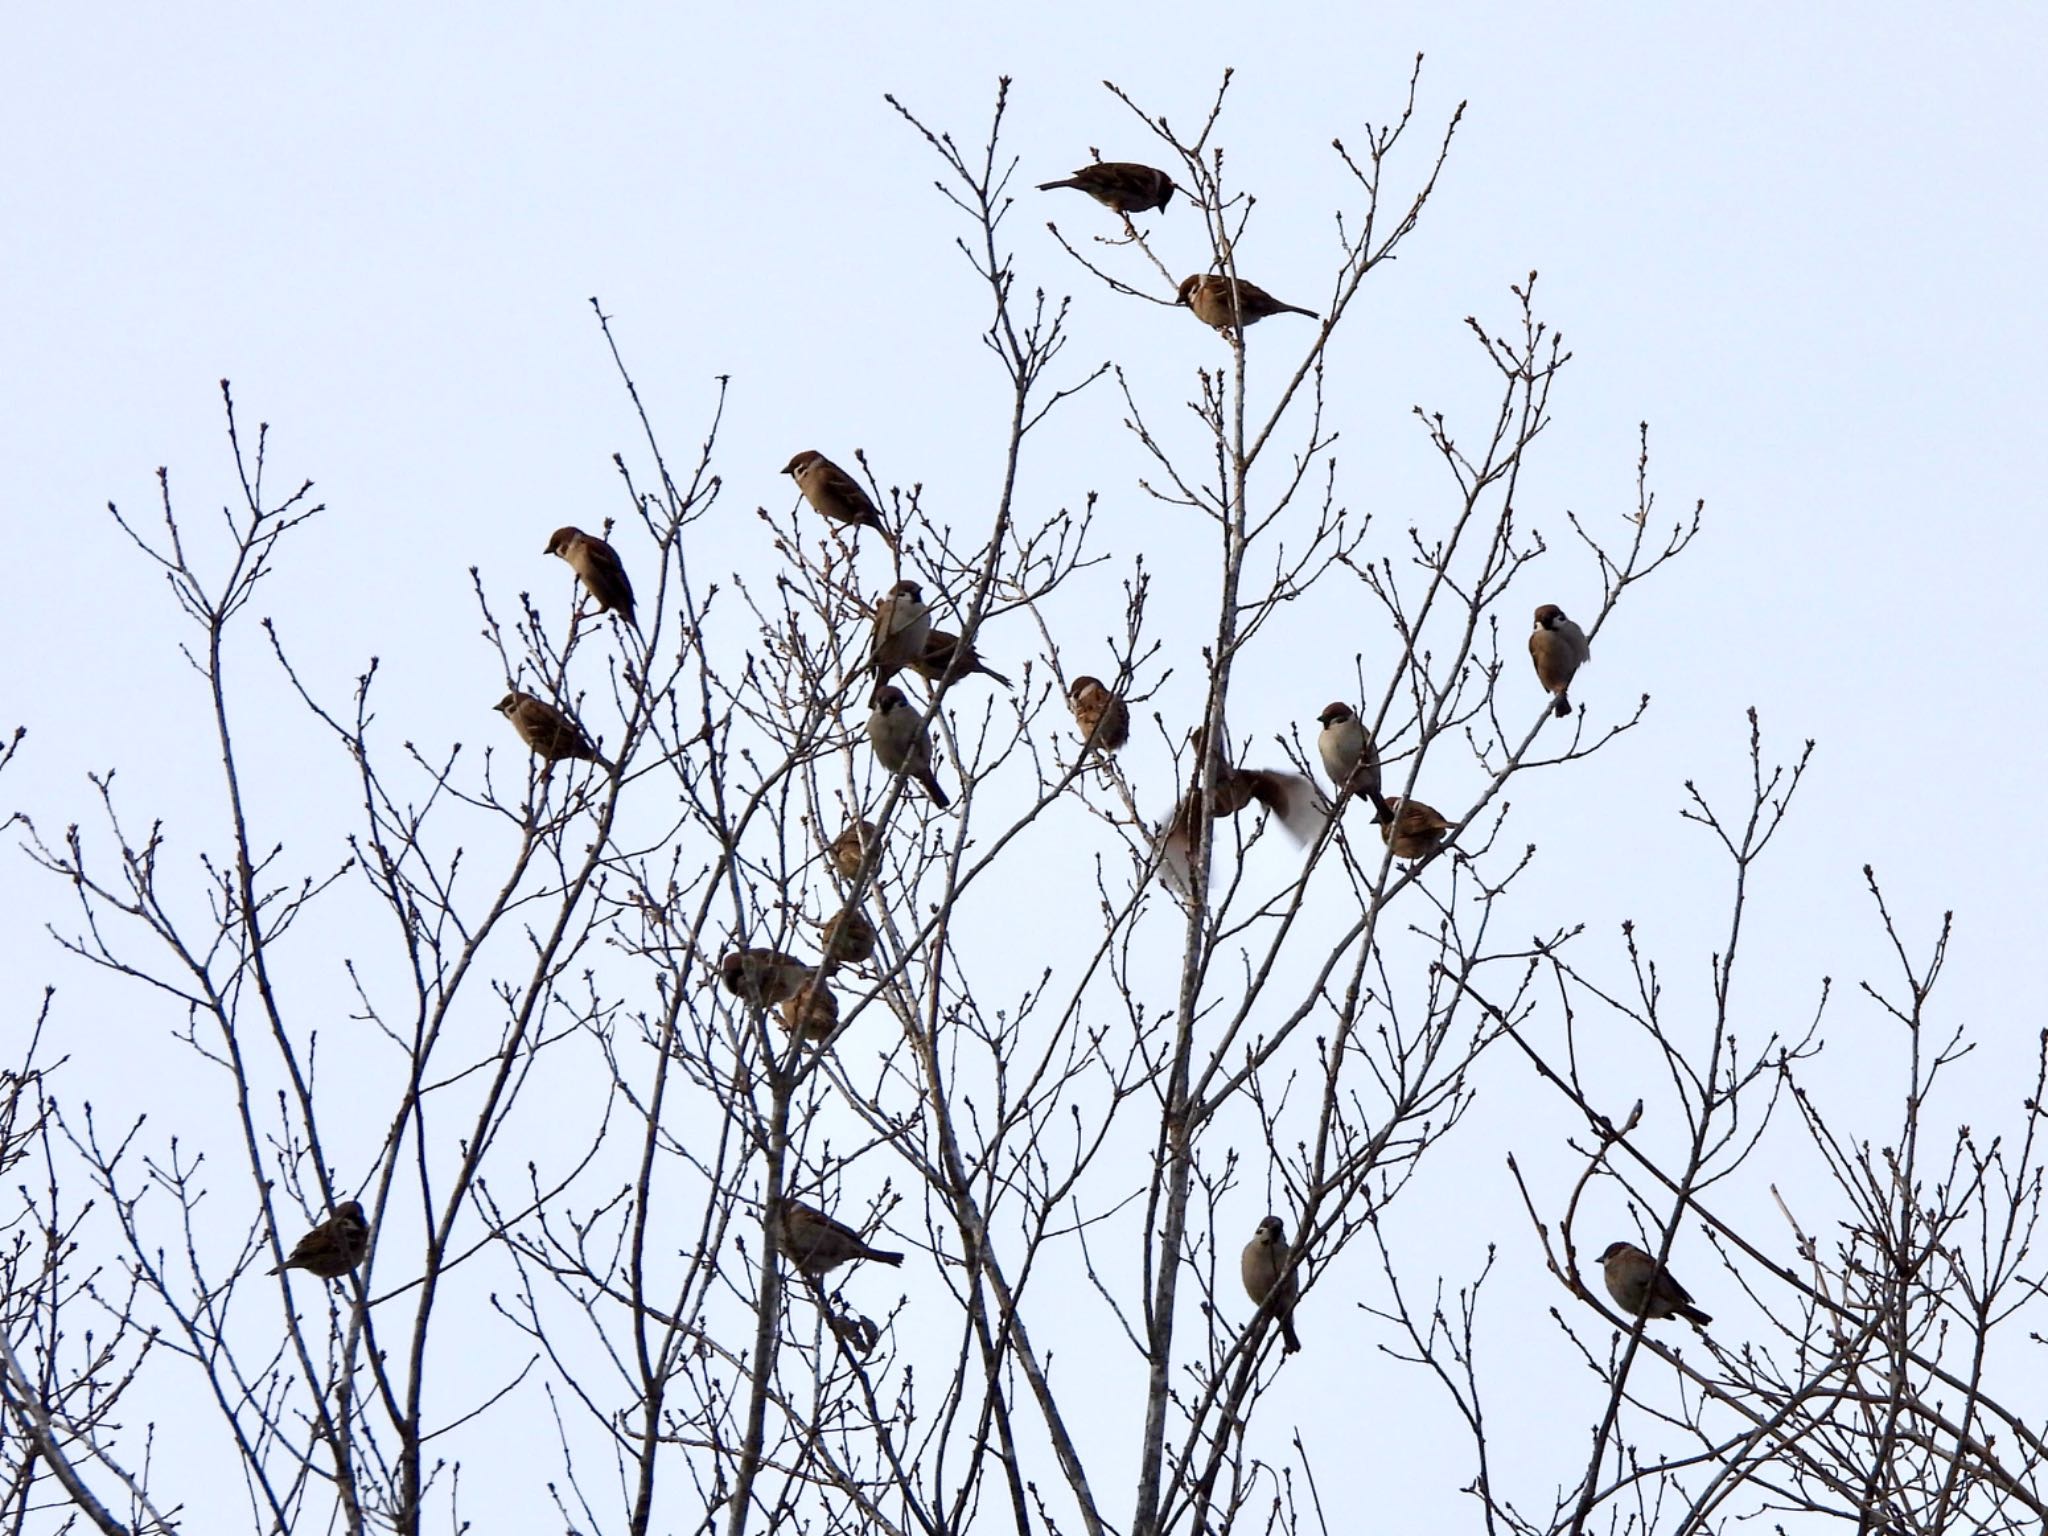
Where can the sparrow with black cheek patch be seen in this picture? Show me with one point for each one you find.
(551, 734)
(1120, 184)
(1416, 830)
(814, 1242)
(1351, 760)
(846, 849)
(1104, 719)
(1209, 298)
(1638, 1283)
(815, 1008)
(901, 743)
(333, 1248)
(937, 656)
(833, 492)
(1559, 648)
(763, 977)
(1268, 1280)
(597, 566)
(903, 627)
(849, 937)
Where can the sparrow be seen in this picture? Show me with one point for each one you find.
(849, 937)
(900, 741)
(815, 1008)
(846, 849)
(551, 734)
(903, 627)
(1559, 648)
(835, 493)
(1415, 830)
(1266, 1277)
(1104, 719)
(1120, 184)
(1209, 298)
(763, 977)
(597, 565)
(814, 1242)
(1638, 1283)
(937, 656)
(334, 1247)
(1288, 795)
(1351, 760)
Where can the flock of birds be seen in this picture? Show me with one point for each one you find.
(905, 638)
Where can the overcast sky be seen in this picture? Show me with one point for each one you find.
(1803, 243)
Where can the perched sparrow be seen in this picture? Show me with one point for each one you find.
(832, 491)
(848, 846)
(937, 656)
(1415, 831)
(597, 565)
(1265, 1267)
(814, 1242)
(901, 743)
(903, 627)
(816, 1008)
(849, 937)
(1104, 719)
(763, 977)
(1559, 648)
(1351, 760)
(1120, 184)
(1209, 298)
(1288, 795)
(551, 734)
(334, 1247)
(1638, 1283)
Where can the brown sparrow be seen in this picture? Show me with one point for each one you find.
(1209, 298)
(835, 493)
(551, 734)
(334, 1247)
(1120, 184)
(1287, 795)
(1104, 719)
(1267, 1280)
(900, 741)
(597, 565)
(846, 849)
(849, 937)
(1559, 648)
(1415, 830)
(763, 977)
(816, 1008)
(903, 627)
(1638, 1283)
(1351, 760)
(814, 1242)
(937, 656)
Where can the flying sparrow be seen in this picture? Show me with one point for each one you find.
(1267, 1278)
(1288, 795)
(334, 1247)
(835, 493)
(903, 627)
(849, 937)
(1415, 831)
(1559, 648)
(816, 1008)
(846, 849)
(937, 656)
(1638, 1283)
(814, 1242)
(1120, 184)
(551, 734)
(1351, 760)
(763, 977)
(1209, 298)
(900, 741)
(1104, 719)
(597, 565)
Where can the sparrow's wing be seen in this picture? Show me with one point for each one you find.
(1292, 798)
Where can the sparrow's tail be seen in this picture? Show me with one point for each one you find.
(931, 787)
(1562, 708)
(1692, 1315)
